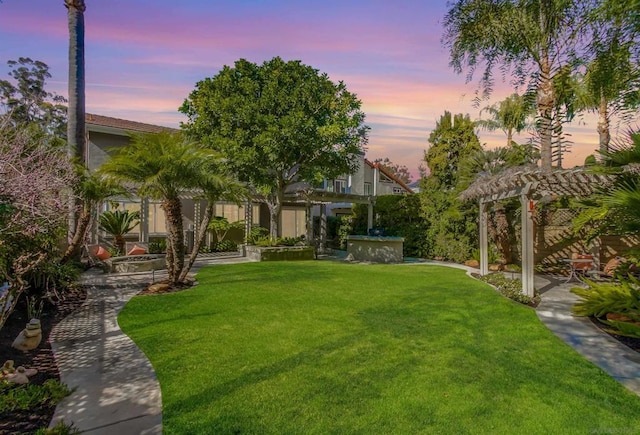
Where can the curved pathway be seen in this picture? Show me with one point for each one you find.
(116, 390)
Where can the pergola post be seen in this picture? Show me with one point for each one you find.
(527, 207)
(370, 214)
(484, 245)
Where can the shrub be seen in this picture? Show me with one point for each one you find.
(600, 299)
(158, 246)
(23, 397)
(510, 288)
(225, 246)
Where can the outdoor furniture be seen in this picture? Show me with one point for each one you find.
(579, 265)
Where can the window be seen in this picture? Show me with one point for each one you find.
(367, 189)
(340, 186)
(398, 191)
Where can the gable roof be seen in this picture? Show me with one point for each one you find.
(107, 123)
(389, 174)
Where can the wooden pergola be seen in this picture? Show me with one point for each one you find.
(530, 184)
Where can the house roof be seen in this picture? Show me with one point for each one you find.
(389, 174)
(107, 122)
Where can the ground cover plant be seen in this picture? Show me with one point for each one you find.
(323, 347)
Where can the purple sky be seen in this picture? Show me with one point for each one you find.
(143, 57)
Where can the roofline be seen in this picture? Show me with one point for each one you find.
(390, 175)
(96, 123)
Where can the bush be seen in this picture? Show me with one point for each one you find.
(224, 246)
(510, 288)
(23, 397)
(602, 299)
(158, 246)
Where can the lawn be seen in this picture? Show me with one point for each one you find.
(323, 347)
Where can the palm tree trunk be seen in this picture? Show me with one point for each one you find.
(76, 138)
(73, 250)
(202, 234)
(545, 102)
(603, 125)
(173, 212)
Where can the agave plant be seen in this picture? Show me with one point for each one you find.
(119, 223)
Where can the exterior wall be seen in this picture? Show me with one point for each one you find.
(98, 146)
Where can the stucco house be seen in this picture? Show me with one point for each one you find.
(333, 197)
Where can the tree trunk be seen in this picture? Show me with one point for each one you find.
(509, 138)
(603, 125)
(73, 250)
(545, 102)
(503, 239)
(175, 238)
(120, 244)
(274, 203)
(76, 139)
(202, 234)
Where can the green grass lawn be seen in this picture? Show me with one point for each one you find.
(322, 347)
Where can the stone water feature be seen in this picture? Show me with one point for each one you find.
(137, 263)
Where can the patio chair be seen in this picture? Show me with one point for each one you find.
(136, 248)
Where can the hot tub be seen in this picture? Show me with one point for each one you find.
(375, 249)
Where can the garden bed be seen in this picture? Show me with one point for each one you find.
(279, 253)
(137, 263)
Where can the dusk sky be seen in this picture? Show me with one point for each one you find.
(143, 58)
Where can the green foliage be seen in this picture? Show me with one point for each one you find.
(257, 233)
(51, 279)
(510, 288)
(277, 123)
(27, 101)
(267, 241)
(598, 299)
(15, 397)
(61, 428)
(224, 246)
(400, 171)
(399, 215)
(221, 227)
(117, 224)
(158, 246)
(511, 115)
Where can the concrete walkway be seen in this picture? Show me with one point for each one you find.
(116, 390)
(619, 361)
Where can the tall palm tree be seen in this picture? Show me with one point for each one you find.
(532, 39)
(162, 165)
(510, 115)
(76, 139)
(92, 190)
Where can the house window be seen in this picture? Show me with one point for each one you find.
(340, 186)
(398, 191)
(367, 189)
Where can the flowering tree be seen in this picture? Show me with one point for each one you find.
(35, 178)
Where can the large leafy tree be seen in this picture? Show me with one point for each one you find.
(26, 101)
(162, 166)
(533, 39)
(277, 123)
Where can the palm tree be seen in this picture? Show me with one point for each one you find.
(533, 39)
(92, 189)
(510, 115)
(76, 139)
(119, 223)
(162, 165)
(216, 185)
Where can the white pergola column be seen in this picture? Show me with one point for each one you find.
(527, 207)
(484, 245)
(248, 220)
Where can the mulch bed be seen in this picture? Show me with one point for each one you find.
(41, 358)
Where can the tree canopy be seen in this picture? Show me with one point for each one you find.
(400, 171)
(277, 123)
